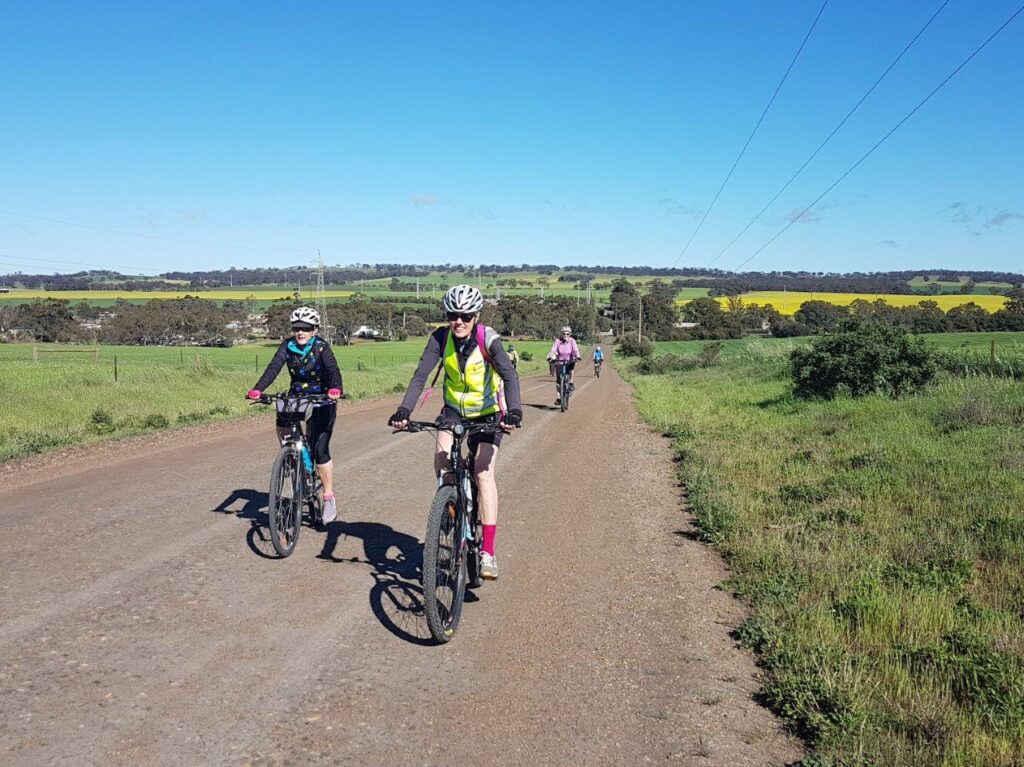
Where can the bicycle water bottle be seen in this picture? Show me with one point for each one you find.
(306, 460)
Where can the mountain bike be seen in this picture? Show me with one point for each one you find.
(597, 368)
(294, 478)
(565, 389)
(451, 549)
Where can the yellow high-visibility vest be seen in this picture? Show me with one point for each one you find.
(473, 392)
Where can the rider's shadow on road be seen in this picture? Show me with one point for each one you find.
(396, 597)
(254, 509)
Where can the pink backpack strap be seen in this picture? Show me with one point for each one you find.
(481, 341)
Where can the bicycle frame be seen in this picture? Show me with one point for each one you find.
(297, 442)
(297, 438)
(562, 382)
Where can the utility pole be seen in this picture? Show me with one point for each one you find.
(640, 324)
(321, 299)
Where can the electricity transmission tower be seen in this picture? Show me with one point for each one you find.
(321, 300)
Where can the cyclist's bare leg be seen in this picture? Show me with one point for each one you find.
(483, 470)
(442, 451)
(326, 472)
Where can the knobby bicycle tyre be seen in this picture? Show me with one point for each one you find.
(564, 389)
(315, 500)
(444, 565)
(284, 510)
(474, 579)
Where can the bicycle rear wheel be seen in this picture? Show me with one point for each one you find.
(284, 509)
(444, 565)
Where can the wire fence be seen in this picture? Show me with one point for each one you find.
(155, 359)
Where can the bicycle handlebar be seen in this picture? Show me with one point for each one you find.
(464, 428)
(269, 399)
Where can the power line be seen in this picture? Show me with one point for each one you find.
(828, 138)
(140, 234)
(72, 263)
(882, 140)
(751, 136)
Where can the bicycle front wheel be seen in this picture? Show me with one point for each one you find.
(444, 565)
(564, 386)
(284, 509)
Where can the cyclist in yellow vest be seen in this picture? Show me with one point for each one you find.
(475, 366)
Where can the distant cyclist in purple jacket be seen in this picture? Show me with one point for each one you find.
(564, 349)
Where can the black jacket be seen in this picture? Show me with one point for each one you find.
(313, 367)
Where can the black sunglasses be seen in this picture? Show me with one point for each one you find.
(303, 327)
(452, 316)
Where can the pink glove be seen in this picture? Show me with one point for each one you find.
(254, 394)
(334, 393)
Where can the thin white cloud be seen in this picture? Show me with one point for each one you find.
(1003, 218)
(424, 200)
(672, 207)
(979, 218)
(479, 211)
(302, 223)
(889, 244)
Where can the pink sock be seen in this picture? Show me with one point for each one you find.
(489, 533)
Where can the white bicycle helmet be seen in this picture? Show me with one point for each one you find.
(307, 315)
(565, 329)
(464, 299)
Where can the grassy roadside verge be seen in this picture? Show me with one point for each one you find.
(879, 544)
(63, 400)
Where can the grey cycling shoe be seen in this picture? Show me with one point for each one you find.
(488, 566)
(330, 510)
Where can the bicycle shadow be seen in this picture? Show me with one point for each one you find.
(536, 406)
(254, 510)
(396, 598)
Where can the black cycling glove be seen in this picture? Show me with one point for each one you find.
(513, 417)
(402, 414)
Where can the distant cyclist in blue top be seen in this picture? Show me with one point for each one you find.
(598, 357)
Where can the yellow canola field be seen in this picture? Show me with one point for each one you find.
(788, 302)
(145, 295)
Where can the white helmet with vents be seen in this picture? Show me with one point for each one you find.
(305, 315)
(464, 299)
(565, 329)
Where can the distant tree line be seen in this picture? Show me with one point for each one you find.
(188, 321)
(720, 283)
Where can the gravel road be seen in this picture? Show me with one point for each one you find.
(144, 621)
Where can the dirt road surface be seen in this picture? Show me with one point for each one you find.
(143, 620)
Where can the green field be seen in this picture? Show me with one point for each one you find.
(59, 394)
(879, 543)
(949, 286)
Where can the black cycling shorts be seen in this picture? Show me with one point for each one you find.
(319, 428)
(451, 415)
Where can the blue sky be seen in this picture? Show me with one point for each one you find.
(252, 134)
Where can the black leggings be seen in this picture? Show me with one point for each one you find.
(319, 428)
